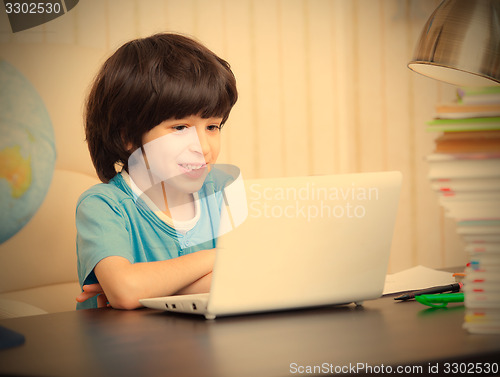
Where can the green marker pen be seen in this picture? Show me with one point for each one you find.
(440, 300)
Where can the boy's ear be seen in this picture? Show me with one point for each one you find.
(127, 144)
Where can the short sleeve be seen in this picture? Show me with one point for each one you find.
(102, 231)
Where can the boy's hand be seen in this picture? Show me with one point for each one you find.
(92, 290)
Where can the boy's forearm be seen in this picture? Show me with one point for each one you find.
(125, 283)
(201, 285)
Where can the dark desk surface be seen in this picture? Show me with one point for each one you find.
(144, 342)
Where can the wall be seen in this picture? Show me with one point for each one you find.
(324, 88)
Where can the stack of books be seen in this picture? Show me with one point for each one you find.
(464, 170)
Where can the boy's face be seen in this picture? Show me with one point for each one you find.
(177, 152)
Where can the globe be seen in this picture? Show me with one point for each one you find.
(27, 151)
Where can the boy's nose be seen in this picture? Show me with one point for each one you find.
(201, 144)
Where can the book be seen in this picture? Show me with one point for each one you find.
(447, 197)
(456, 185)
(470, 165)
(468, 142)
(470, 135)
(476, 238)
(480, 262)
(460, 110)
(481, 248)
(464, 124)
(482, 95)
(476, 210)
(482, 320)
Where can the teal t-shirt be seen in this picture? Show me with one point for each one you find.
(111, 221)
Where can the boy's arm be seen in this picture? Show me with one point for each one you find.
(125, 283)
(91, 290)
(201, 285)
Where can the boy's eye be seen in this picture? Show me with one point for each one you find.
(179, 128)
(214, 127)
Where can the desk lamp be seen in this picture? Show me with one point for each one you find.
(460, 44)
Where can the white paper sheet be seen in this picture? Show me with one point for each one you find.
(415, 278)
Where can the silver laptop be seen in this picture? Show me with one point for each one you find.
(305, 241)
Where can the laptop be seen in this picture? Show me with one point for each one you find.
(305, 242)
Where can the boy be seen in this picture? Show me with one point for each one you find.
(162, 101)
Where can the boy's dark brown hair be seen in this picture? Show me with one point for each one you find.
(145, 82)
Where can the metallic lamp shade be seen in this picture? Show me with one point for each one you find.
(460, 44)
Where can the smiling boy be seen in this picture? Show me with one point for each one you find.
(150, 229)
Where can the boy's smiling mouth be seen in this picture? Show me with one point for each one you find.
(193, 170)
(190, 167)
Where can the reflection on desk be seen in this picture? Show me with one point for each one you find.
(145, 342)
